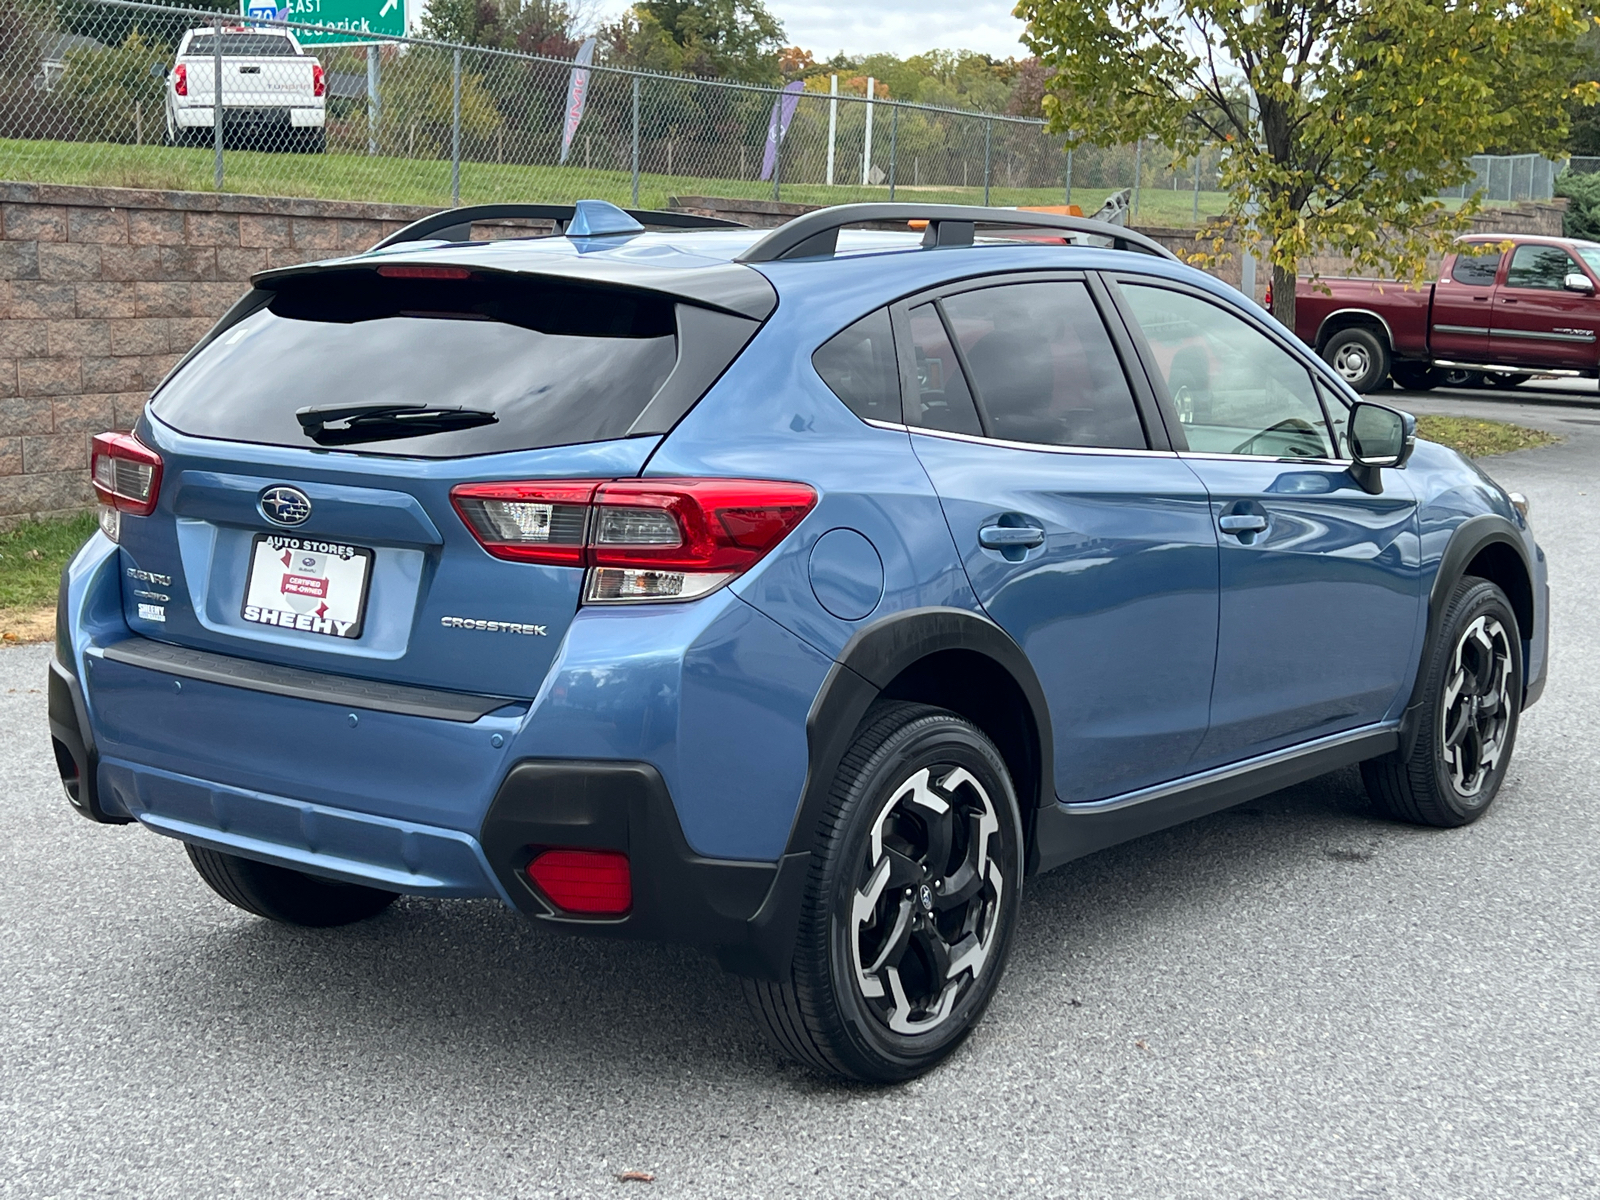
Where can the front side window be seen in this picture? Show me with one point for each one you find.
(1235, 391)
(1543, 267)
(1476, 270)
(859, 365)
(1043, 366)
(943, 399)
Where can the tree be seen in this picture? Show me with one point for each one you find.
(544, 27)
(728, 39)
(1339, 120)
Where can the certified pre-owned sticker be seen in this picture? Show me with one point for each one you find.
(492, 626)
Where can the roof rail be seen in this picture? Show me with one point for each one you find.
(455, 224)
(816, 234)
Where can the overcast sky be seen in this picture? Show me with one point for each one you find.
(900, 27)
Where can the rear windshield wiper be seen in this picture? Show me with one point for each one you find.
(348, 424)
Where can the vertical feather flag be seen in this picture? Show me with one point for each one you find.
(782, 113)
(577, 94)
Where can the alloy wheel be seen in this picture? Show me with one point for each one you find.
(926, 909)
(1476, 708)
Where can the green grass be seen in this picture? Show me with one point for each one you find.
(1479, 439)
(32, 555)
(337, 176)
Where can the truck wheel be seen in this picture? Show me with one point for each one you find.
(915, 881)
(1504, 379)
(1459, 377)
(1414, 377)
(313, 141)
(1468, 723)
(1360, 356)
(280, 894)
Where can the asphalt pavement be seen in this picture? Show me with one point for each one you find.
(1290, 999)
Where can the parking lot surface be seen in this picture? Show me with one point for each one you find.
(1289, 999)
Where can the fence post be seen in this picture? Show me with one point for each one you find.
(894, 137)
(1197, 191)
(1138, 176)
(216, 102)
(636, 141)
(372, 100)
(988, 145)
(1069, 175)
(866, 150)
(833, 120)
(455, 132)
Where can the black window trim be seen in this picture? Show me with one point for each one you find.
(1319, 371)
(1133, 370)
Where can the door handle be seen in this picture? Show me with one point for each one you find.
(1508, 300)
(1242, 523)
(1004, 537)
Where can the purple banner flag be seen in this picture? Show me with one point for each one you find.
(782, 113)
(577, 94)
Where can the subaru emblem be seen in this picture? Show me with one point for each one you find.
(283, 505)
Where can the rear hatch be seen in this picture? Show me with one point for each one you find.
(308, 451)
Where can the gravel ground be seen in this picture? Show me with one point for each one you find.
(1290, 999)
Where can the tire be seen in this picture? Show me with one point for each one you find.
(1504, 379)
(1360, 356)
(313, 141)
(876, 1006)
(280, 894)
(1467, 727)
(1414, 376)
(1459, 377)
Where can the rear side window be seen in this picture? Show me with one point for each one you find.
(859, 365)
(1476, 270)
(943, 400)
(1044, 367)
(550, 362)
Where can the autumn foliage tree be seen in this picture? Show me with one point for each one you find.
(1340, 121)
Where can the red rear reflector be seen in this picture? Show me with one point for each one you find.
(597, 882)
(126, 473)
(413, 271)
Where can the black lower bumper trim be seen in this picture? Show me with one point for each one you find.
(73, 744)
(746, 912)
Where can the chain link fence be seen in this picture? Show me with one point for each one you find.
(123, 93)
(1508, 178)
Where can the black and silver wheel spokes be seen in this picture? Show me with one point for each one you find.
(1477, 705)
(925, 913)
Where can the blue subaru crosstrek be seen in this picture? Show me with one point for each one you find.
(795, 593)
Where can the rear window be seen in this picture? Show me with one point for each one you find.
(242, 45)
(551, 363)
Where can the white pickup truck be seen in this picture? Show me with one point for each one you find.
(274, 94)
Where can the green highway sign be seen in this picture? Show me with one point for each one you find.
(358, 16)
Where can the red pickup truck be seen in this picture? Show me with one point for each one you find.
(1504, 308)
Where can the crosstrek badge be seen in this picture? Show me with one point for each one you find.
(307, 585)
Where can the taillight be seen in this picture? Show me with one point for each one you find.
(126, 473)
(642, 539)
(319, 80)
(180, 80)
(596, 882)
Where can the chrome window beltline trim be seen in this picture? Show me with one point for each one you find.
(978, 439)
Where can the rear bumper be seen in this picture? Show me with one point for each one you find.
(199, 117)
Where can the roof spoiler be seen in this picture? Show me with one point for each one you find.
(816, 234)
(586, 218)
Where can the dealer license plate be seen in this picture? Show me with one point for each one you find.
(307, 584)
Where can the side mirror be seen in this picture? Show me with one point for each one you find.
(157, 71)
(1379, 437)
(1578, 282)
